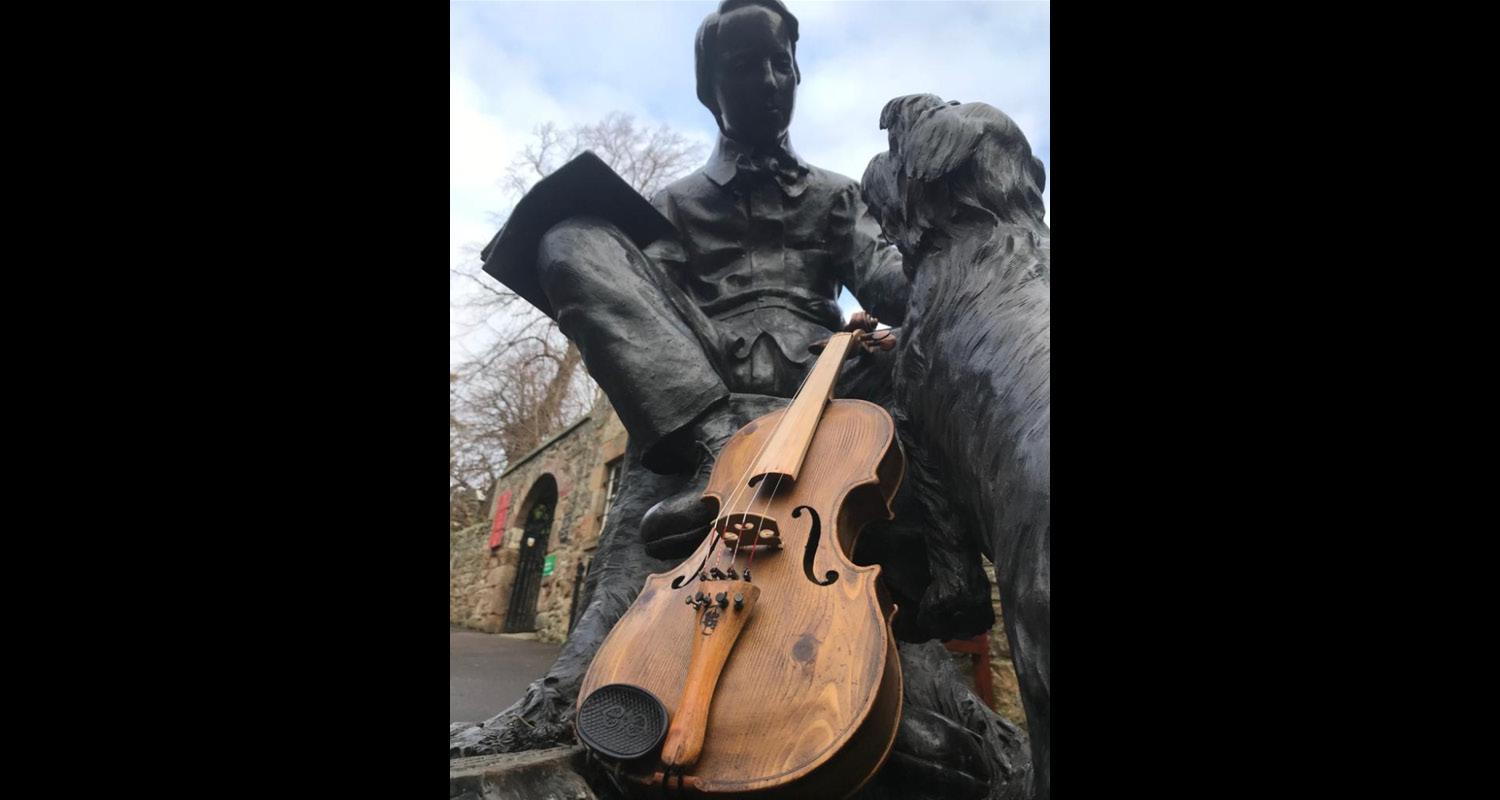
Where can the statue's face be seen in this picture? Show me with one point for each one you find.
(755, 79)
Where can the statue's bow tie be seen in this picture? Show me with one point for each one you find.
(785, 170)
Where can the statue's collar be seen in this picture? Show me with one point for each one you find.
(729, 157)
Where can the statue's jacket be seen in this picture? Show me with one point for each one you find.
(763, 246)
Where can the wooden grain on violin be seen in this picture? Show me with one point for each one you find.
(808, 696)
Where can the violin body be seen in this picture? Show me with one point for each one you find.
(797, 692)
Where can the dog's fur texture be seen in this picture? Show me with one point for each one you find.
(960, 193)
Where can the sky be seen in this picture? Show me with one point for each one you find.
(516, 64)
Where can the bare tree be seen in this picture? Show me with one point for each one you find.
(647, 158)
(525, 383)
(471, 467)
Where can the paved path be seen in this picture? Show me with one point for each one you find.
(487, 672)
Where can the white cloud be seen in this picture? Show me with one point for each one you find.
(857, 56)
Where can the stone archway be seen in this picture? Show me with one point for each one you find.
(536, 517)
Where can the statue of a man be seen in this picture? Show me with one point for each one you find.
(729, 305)
(697, 334)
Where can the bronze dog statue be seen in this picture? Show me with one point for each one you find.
(960, 193)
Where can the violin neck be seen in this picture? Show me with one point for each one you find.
(788, 445)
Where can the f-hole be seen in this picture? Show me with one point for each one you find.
(683, 580)
(813, 535)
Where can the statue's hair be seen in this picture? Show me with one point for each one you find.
(706, 45)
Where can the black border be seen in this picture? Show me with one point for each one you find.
(1180, 390)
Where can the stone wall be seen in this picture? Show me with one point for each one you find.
(481, 580)
(467, 568)
(605, 445)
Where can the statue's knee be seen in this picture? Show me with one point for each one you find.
(575, 250)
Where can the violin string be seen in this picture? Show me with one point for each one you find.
(740, 485)
(769, 498)
(745, 480)
(718, 554)
(734, 557)
(728, 506)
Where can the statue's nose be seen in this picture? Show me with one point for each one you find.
(767, 75)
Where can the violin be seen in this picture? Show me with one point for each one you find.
(764, 665)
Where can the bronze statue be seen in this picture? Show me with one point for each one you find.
(961, 192)
(730, 303)
(698, 332)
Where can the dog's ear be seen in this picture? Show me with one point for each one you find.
(899, 114)
(880, 191)
(1039, 173)
(938, 143)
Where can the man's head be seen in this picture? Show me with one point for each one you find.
(746, 56)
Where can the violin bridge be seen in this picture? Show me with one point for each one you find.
(749, 531)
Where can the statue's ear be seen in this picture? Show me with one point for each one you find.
(937, 143)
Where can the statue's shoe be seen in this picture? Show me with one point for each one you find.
(674, 527)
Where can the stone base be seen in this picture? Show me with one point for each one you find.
(551, 774)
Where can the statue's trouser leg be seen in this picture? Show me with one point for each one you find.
(646, 344)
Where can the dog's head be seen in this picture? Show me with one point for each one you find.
(947, 161)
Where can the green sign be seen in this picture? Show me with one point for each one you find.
(548, 564)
